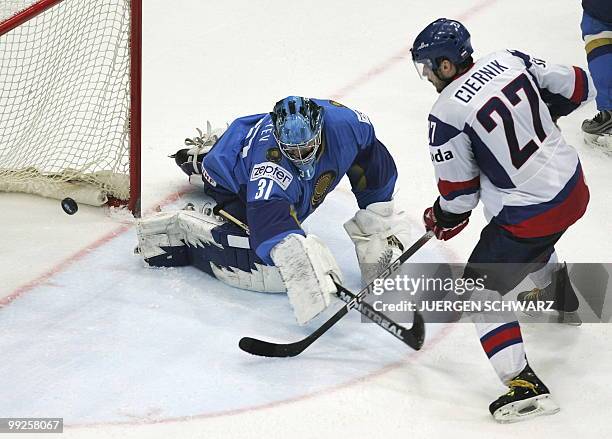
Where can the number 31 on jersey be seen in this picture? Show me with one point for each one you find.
(264, 187)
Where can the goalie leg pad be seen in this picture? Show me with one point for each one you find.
(308, 270)
(380, 235)
(161, 241)
(235, 263)
(172, 239)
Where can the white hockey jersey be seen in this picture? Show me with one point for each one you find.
(492, 137)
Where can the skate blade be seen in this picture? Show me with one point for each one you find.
(601, 141)
(526, 409)
(569, 318)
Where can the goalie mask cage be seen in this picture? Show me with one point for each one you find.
(70, 73)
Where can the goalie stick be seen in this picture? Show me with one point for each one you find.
(413, 337)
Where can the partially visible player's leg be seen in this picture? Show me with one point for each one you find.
(309, 271)
(597, 36)
(554, 288)
(302, 265)
(189, 237)
(542, 277)
(502, 261)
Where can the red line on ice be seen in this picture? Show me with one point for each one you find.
(4, 301)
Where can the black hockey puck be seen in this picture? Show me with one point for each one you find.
(70, 206)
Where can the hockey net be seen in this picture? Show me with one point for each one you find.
(70, 99)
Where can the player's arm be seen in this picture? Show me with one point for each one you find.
(563, 88)
(378, 230)
(457, 176)
(270, 221)
(373, 174)
(306, 265)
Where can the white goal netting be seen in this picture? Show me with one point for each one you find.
(65, 100)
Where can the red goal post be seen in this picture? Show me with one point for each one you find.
(70, 99)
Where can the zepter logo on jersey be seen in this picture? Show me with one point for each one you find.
(272, 171)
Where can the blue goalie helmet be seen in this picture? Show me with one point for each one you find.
(298, 124)
(442, 38)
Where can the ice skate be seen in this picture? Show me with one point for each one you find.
(600, 124)
(598, 130)
(558, 296)
(526, 398)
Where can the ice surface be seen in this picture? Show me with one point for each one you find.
(97, 338)
(110, 340)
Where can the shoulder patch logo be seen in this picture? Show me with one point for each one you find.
(442, 156)
(321, 187)
(274, 155)
(274, 172)
(335, 103)
(362, 117)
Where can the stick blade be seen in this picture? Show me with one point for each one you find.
(266, 349)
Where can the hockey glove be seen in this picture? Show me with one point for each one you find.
(445, 225)
(380, 234)
(190, 159)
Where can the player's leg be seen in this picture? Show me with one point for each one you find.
(207, 242)
(553, 287)
(302, 265)
(597, 36)
(502, 262)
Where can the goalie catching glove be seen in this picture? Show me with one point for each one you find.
(190, 159)
(380, 236)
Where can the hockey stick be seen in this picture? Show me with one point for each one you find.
(415, 339)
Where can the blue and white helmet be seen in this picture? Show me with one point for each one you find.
(441, 39)
(298, 124)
